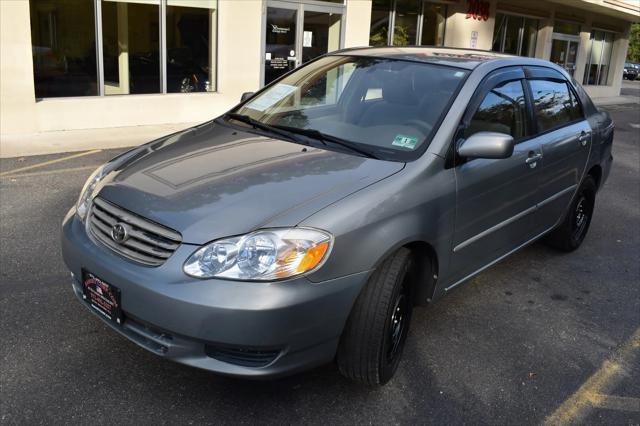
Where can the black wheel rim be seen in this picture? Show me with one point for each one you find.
(581, 217)
(398, 325)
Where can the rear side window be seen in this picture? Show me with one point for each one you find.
(502, 110)
(555, 105)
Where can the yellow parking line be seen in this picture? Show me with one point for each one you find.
(51, 172)
(593, 392)
(613, 402)
(47, 163)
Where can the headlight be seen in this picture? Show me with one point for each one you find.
(270, 254)
(87, 194)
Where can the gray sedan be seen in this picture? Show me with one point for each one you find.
(304, 225)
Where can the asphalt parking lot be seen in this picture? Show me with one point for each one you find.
(541, 336)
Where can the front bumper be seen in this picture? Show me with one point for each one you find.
(182, 318)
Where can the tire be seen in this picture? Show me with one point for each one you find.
(570, 234)
(372, 341)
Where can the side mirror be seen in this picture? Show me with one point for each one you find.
(487, 145)
(245, 96)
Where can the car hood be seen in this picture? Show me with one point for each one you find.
(212, 181)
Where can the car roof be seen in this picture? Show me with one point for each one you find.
(461, 58)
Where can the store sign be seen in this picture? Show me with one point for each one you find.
(474, 40)
(478, 10)
(279, 30)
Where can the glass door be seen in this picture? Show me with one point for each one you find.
(321, 34)
(295, 33)
(280, 42)
(564, 53)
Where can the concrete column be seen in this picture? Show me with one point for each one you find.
(460, 29)
(17, 91)
(357, 23)
(584, 50)
(545, 35)
(618, 58)
(123, 48)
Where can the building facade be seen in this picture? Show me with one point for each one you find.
(84, 64)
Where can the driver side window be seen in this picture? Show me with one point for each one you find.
(503, 110)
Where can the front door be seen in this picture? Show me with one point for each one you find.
(496, 198)
(564, 53)
(296, 33)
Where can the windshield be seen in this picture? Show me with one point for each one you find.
(390, 108)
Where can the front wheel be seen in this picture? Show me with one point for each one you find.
(569, 235)
(374, 336)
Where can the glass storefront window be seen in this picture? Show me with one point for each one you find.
(63, 47)
(380, 14)
(597, 69)
(191, 46)
(131, 47)
(516, 35)
(415, 22)
(434, 18)
(405, 28)
(529, 37)
(563, 27)
(66, 62)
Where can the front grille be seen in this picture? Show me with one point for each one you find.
(148, 243)
(245, 357)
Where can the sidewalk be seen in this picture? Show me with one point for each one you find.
(617, 100)
(82, 140)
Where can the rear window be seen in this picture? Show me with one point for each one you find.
(555, 105)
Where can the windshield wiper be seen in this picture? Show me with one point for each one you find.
(256, 124)
(324, 138)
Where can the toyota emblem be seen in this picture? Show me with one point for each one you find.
(119, 233)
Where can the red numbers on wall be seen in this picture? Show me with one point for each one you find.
(478, 10)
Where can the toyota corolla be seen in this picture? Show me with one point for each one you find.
(304, 225)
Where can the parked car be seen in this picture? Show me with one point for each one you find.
(630, 71)
(295, 230)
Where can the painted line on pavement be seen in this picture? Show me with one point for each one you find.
(47, 163)
(613, 402)
(593, 393)
(51, 172)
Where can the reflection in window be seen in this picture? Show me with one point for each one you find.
(516, 35)
(321, 34)
(502, 110)
(597, 69)
(190, 46)
(63, 47)
(405, 28)
(555, 105)
(434, 18)
(563, 27)
(379, 32)
(131, 46)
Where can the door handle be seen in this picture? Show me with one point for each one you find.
(533, 159)
(583, 138)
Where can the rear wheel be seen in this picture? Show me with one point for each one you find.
(374, 336)
(572, 231)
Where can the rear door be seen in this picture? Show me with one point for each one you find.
(565, 137)
(496, 198)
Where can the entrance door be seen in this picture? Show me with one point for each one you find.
(564, 53)
(296, 33)
(280, 42)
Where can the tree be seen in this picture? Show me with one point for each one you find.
(633, 54)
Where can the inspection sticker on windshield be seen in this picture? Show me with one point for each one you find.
(405, 141)
(271, 97)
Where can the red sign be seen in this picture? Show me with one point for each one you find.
(478, 10)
